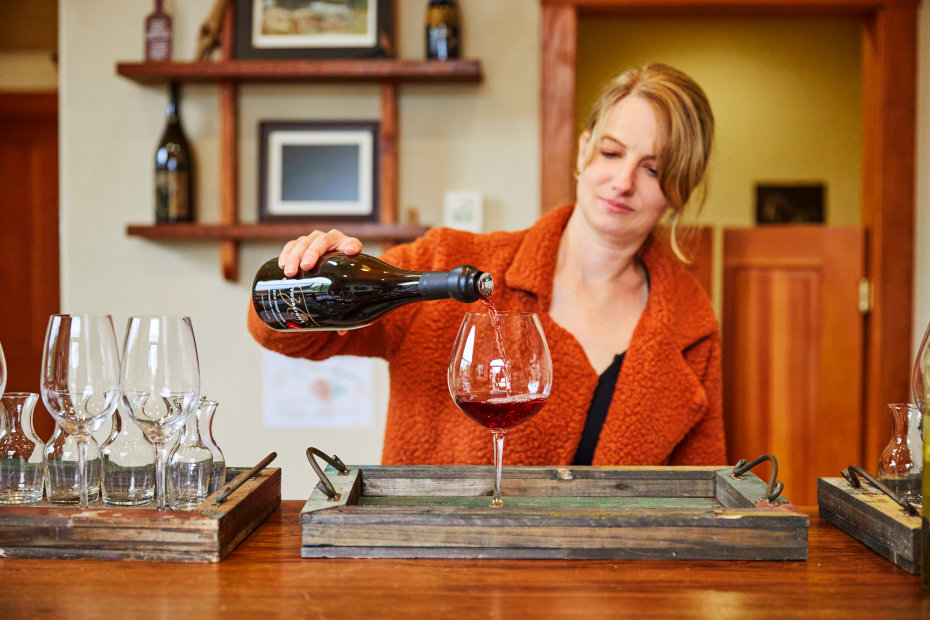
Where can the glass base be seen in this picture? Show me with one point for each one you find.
(123, 500)
(20, 497)
(186, 505)
(74, 500)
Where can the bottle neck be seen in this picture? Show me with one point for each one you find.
(171, 110)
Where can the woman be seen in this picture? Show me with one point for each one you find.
(633, 337)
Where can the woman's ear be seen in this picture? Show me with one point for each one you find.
(582, 151)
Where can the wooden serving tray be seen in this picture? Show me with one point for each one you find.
(207, 534)
(872, 518)
(551, 512)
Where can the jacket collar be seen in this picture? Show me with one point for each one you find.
(539, 248)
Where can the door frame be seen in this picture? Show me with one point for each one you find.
(889, 72)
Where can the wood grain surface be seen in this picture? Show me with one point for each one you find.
(266, 577)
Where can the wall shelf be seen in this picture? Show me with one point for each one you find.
(228, 74)
(264, 71)
(271, 231)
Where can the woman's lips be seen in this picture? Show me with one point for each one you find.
(616, 206)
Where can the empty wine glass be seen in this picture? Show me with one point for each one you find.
(160, 383)
(500, 374)
(80, 378)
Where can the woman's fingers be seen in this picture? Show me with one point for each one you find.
(304, 252)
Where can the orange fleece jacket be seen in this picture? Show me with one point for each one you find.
(667, 406)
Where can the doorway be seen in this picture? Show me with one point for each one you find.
(888, 63)
(28, 237)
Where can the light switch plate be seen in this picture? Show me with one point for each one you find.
(463, 210)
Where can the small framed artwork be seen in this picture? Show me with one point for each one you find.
(317, 170)
(288, 29)
(790, 204)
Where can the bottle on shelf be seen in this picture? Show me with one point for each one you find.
(443, 30)
(174, 169)
(347, 292)
(158, 34)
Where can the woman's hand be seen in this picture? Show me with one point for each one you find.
(304, 252)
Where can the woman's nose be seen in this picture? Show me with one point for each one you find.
(623, 179)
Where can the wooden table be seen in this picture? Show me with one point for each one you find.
(266, 577)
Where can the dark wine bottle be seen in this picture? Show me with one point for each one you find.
(443, 32)
(174, 170)
(346, 292)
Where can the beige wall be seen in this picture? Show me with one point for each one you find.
(482, 137)
(452, 137)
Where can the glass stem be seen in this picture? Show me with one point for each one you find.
(498, 463)
(82, 469)
(160, 479)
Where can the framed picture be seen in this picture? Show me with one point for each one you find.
(318, 170)
(790, 204)
(282, 29)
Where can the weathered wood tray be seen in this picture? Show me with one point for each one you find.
(207, 534)
(872, 518)
(551, 512)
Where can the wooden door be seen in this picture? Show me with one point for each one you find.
(793, 351)
(28, 236)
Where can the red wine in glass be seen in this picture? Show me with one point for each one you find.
(499, 413)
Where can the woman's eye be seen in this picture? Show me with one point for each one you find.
(652, 171)
(611, 154)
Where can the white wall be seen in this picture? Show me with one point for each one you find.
(482, 137)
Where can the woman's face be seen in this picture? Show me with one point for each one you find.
(618, 192)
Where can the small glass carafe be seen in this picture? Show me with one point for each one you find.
(205, 417)
(127, 459)
(901, 462)
(21, 470)
(190, 467)
(62, 482)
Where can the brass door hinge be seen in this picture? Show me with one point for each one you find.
(866, 295)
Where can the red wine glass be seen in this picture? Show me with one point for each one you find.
(500, 374)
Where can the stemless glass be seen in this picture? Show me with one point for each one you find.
(500, 374)
(80, 378)
(160, 383)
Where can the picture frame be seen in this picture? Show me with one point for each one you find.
(800, 203)
(318, 170)
(307, 29)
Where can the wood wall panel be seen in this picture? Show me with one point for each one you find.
(28, 237)
(557, 113)
(793, 339)
(889, 57)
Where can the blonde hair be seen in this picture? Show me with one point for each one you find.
(685, 132)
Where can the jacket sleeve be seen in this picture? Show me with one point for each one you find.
(705, 444)
(377, 340)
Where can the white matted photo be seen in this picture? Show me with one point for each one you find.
(318, 170)
(288, 29)
(334, 393)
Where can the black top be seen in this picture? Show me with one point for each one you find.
(597, 412)
(600, 403)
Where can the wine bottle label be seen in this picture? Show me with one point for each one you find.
(283, 304)
(172, 195)
(443, 42)
(158, 38)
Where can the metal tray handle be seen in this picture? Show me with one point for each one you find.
(324, 484)
(775, 488)
(850, 474)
